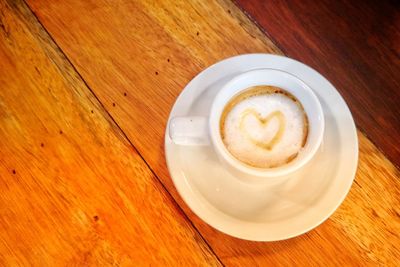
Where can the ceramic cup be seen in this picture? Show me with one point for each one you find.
(195, 131)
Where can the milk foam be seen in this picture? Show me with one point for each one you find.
(253, 124)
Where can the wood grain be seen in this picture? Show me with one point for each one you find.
(73, 191)
(355, 44)
(137, 56)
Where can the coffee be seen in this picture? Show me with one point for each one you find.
(264, 126)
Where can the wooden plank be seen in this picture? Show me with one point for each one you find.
(118, 47)
(73, 191)
(355, 44)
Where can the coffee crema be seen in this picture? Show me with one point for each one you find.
(264, 126)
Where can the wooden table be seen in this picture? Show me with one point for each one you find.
(86, 89)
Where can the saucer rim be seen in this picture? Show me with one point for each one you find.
(242, 235)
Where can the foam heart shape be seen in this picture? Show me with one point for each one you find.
(264, 121)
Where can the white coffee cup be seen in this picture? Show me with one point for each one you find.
(206, 130)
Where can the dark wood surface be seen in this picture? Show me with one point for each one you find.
(355, 44)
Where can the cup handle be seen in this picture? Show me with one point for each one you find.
(189, 131)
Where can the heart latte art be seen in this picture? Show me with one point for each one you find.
(264, 127)
(264, 122)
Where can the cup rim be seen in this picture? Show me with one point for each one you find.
(214, 121)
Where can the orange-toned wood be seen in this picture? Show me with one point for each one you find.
(138, 55)
(73, 191)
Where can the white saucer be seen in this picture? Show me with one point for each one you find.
(264, 213)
